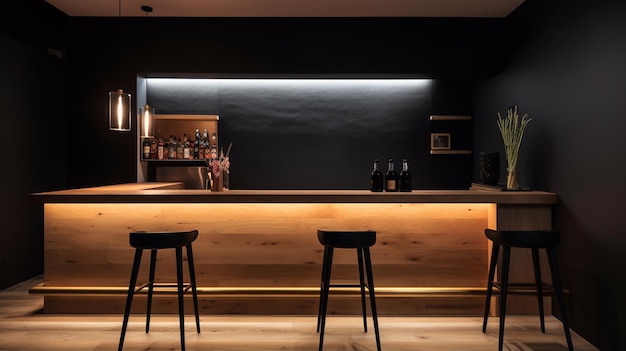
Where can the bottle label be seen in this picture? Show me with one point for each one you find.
(146, 151)
(391, 184)
(160, 151)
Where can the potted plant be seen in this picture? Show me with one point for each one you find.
(512, 129)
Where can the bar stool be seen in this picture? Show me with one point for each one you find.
(155, 241)
(361, 241)
(533, 240)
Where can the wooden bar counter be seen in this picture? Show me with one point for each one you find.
(257, 251)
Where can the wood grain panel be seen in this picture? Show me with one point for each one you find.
(269, 244)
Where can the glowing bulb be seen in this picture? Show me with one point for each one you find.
(146, 120)
(119, 111)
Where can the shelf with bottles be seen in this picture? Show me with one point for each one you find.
(450, 135)
(181, 139)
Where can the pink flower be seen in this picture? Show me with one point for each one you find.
(219, 165)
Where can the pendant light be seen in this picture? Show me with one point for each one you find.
(119, 111)
(119, 105)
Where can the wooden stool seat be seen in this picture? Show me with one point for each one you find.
(361, 241)
(155, 241)
(533, 240)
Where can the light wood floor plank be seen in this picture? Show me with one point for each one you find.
(23, 327)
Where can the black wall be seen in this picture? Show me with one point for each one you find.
(324, 133)
(106, 54)
(32, 105)
(568, 72)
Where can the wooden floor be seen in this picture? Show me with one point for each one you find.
(23, 327)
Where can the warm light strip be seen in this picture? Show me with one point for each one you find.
(249, 291)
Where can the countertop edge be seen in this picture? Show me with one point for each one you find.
(174, 193)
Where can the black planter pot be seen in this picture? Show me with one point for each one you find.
(489, 167)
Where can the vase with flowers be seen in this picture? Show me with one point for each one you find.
(512, 129)
(218, 168)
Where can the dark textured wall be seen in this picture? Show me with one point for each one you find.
(322, 133)
(32, 101)
(568, 72)
(454, 51)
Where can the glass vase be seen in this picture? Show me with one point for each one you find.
(218, 182)
(511, 180)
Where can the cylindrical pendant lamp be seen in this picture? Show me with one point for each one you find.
(119, 111)
(147, 121)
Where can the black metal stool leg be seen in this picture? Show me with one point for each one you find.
(370, 281)
(362, 286)
(556, 282)
(181, 304)
(192, 277)
(492, 272)
(506, 258)
(325, 293)
(129, 297)
(153, 256)
(539, 285)
(322, 283)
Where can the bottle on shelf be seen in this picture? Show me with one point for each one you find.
(172, 147)
(391, 178)
(179, 148)
(196, 145)
(186, 147)
(376, 178)
(166, 149)
(153, 148)
(214, 146)
(203, 145)
(406, 182)
(146, 148)
(160, 149)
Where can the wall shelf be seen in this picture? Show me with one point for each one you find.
(175, 162)
(450, 118)
(454, 131)
(450, 152)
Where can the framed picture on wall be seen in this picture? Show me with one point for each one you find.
(440, 141)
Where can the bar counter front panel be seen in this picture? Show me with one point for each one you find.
(257, 251)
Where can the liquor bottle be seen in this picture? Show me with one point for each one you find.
(203, 145)
(214, 146)
(153, 148)
(391, 178)
(376, 179)
(166, 149)
(146, 148)
(160, 149)
(172, 147)
(186, 148)
(196, 145)
(179, 148)
(406, 183)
